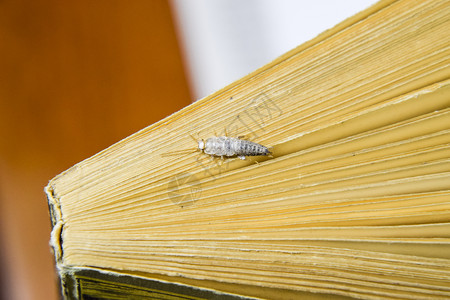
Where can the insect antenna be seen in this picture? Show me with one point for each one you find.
(183, 151)
(193, 138)
(179, 152)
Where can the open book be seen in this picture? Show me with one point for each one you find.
(354, 201)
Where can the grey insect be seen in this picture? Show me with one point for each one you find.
(224, 146)
(229, 147)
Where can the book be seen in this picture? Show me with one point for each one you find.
(354, 201)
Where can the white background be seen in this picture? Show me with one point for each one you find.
(224, 40)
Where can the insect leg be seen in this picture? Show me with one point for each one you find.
(244, 137)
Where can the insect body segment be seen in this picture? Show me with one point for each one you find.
(228, 146)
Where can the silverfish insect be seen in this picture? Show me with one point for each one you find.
(229, 147)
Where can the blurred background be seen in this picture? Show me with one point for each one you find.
(78, 76)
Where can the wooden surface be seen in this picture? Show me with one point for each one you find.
(75, 77)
